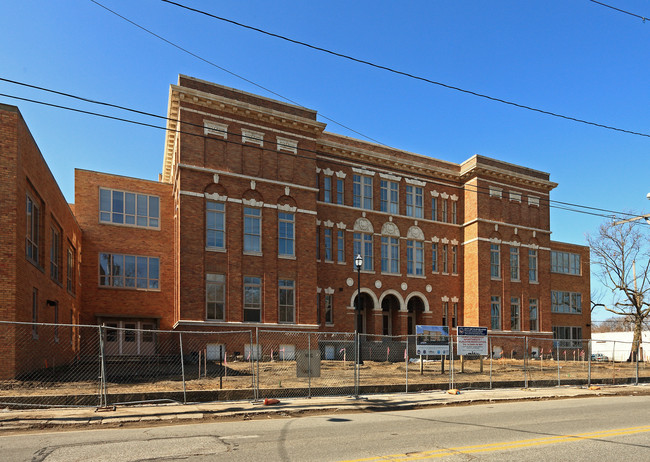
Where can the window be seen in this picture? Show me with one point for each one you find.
(454, 212)
(71, 270)
(363, 247)
(126, 208)
(414, 258)
(496, 192)
(495, 261)
(327, 189)
(129, 271)
(362, 192)
(532, 265)
(329, 314)
(287, 305)
(215, 290)
(514, 263)
(414, 201)
(252, 299)
(532, 314)
(434, 257)
(286, 234)
(389, 255)
(434, 208)
(389, 196)
(215, 220)
(340, 245)
(454, 315)
(339, 191)
(566, 302)
(567, 337)
(515, 314)
(445, 254)
(34, 313)
(445, 312)
(565, 262)
(328, 244)
(252, 230)
(33, 226)
(454, 259)
(495, 313)
(444, 211)
(55, 254)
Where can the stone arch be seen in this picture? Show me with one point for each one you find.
(396, 294)
(252, 198)
(415, 233)
(215, 191)
(364, 290)
(363, 225)
(287, 201)
(390, 229)
(425, 301)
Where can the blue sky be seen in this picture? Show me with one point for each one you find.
(574, 57)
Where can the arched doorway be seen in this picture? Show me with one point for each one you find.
(367, 304)
(415, 308)
(390, 305)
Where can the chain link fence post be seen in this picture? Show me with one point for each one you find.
(557, 352)
(180, 343)
(356, 364)
(589, 365)
(490, 353)
(103, 401)
(309, 365)
(525, 362)
(406, 360)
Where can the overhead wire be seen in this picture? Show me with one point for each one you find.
(406, 74)
(643, 18)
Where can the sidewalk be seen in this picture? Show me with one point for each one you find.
(18, 420)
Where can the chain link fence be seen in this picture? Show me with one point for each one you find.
(82, 365)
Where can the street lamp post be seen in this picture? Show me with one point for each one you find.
(358, 262)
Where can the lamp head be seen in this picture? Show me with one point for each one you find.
(358, 261)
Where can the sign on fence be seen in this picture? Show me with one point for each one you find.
(432, 340)
(308, 363)
(472, 341)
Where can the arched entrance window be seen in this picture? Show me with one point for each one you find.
(390, 305)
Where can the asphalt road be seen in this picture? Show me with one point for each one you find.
(588, 429)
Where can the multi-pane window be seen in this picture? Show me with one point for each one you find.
(252, 230)
(434, 208)
(362, 192)
(445, 259)
(495, 261)
(286, 234)
(33, 226)
(495, 313)
(34, 313)
(566, 302)
(454, 259)
(445, 312)
(515, 314)
(339, 191)
(532, 314)
(252, 299)
(327, 189)
(389, 196)
(71, 270)
(514, 263)
(340, 245)
(129, 271)
(567, 337)
(389, 255)
(363, 247)
(414, 201)
(454, 212)
(327, 240)
(55, 253)
(414, 257)
(215, 290)
(329, 312)
(287, 303)
(454, 315)
(128, 208)
(434, 257)
(215, 225)
(565, 262)
(532, 265)
(445, 211)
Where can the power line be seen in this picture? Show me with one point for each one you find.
(643, 18)
(211, 63)
(407, 74)
(478, 189)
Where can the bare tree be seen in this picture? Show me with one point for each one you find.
(622, 254)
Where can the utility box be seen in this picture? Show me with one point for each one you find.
(308, 363)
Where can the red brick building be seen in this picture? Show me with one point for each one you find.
(257, 219)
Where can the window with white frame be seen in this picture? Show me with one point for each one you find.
(454, 315)
(445, 211)
(327, 189)
(215, 291)
(414, 201)
(515, 314)
(129, 271)
(215, 225)
(532, 314)
(328, 244)
(389, 255)
(55, 253)
(565, 262)
(340, 191)
(445, 313)
(532, 265)
(127, 208)
(363, 247)
(495, 313)
(567, 336)
(329, 311)
(495, 261)
(414, 258)
(514, 263)
(454, 212)
(389, 196)
(454, 259)
(252, 299)
(566, 302)
(33, 227)
(445, 258)
(362, 192)
(286, 234)
(434, 257)
(340, 245)
(287, 301)
(252, 230)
